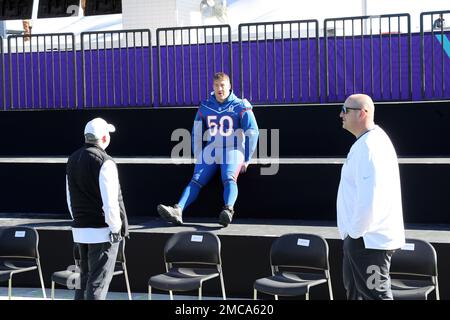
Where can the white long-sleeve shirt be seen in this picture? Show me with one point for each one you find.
(108, 180)
(369, 202)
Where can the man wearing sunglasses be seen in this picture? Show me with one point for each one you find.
(369, 205)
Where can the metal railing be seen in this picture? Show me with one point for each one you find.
(277, 63)
(432, 28)
(39, 73)
(295, 77)
(191, 55)
(118, 64)
(379, 32)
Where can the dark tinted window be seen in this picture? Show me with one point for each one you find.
(98, 7)
(58, 8)
(16, 9)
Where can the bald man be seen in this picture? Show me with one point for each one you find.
(369, 204)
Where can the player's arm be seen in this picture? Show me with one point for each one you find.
(197, 134)
(251, 131)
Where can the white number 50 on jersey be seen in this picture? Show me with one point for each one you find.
(215, 127)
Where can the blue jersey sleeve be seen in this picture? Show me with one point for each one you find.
(251, 130)
(197, 134)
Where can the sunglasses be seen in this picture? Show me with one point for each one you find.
(345, 109)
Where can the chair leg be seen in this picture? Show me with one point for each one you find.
(10, 288)
(276, 297)
(127, 282)
(41, 279)
(171, 294)
(255, 294)
(436, 288)
(200, 293)
(52, 293)
(222, 283)
(149, 293)
(307, 295)
(330, 289)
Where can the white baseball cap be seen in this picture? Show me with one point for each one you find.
(98, 128)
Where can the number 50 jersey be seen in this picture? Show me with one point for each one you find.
(230, 124)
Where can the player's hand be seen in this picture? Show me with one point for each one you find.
(244, 167)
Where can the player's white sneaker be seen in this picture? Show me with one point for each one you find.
(171, 214)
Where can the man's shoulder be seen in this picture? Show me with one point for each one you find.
(246, 104)
(88, 154)
(242, 104)
(98, 154)
(377, 135)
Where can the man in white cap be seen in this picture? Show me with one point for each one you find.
(95, 202)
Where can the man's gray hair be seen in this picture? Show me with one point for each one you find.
(90, 138)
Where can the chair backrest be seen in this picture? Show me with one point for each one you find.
(200, 247)
(19, 242)
(417, 257)
(300, 250)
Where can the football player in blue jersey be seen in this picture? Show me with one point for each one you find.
(224, 135)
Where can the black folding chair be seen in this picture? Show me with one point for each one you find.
(71, 276)
(191, 257)
(414, 273)
(298, 261)
(19, 253)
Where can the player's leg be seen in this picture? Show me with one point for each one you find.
(203, 173)
(230, 169)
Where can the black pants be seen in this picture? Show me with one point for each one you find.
(366, 271)
(96, 267)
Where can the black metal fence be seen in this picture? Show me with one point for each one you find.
(350, 33)
(432, 28)
(274, 63)
(188, 57)
(42, 71)
(117, 68)
(293, 47)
